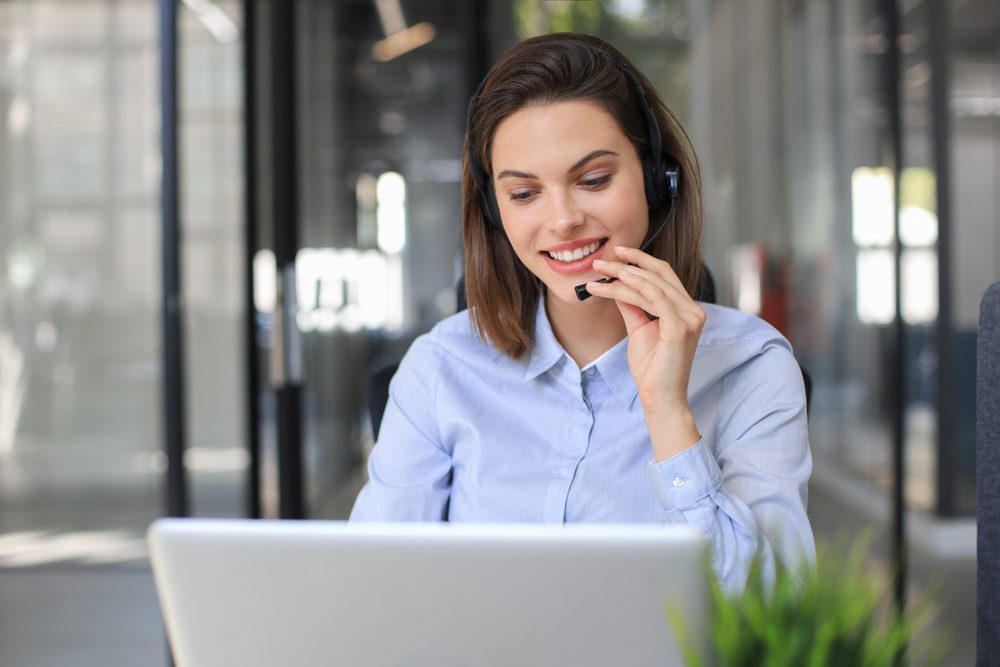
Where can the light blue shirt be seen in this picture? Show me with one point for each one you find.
(470, 434)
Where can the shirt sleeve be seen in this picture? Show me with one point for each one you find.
(745, 486)
(409, 469)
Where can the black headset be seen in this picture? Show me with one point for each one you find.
(662, 181)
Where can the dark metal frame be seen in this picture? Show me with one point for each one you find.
(889, 9)
(251, 353)
(937, 30)
(177, 493)
(477, 56)
(938, 38)
(284, 185)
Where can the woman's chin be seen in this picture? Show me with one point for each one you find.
(566, 291)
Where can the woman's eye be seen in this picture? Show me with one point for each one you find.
(520, 196)
(596, 181)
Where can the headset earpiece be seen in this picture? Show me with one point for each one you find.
(673, 176)
(484, 184)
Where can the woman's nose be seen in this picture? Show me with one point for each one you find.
(566, 214)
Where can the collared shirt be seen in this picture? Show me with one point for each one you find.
(470, 434)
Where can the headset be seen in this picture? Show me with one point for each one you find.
(662, 181)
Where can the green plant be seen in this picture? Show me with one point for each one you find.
(830, 615)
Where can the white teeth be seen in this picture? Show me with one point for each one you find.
(573, 255)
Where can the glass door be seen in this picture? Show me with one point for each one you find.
(360, 119)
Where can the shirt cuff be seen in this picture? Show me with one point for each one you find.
(683, 481)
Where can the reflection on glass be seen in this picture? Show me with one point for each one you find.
(215, 20)
(343, 289)
(390, 212)
(364, 192)
(872, 206)
(747, 266)
(918, 223)
(265, 289)
(876, 285)
(920, 285)
(399, 38)
(18, 116)
(917, 226)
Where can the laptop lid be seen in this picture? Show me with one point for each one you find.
(249, 593)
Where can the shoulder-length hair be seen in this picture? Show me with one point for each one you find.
(501, 293)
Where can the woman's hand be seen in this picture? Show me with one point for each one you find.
(663, 324)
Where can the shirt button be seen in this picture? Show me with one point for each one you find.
(677, 481)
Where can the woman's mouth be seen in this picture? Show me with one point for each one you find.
(576, 260)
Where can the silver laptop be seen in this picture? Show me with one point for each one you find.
(303, 593)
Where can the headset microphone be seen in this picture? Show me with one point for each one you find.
(672, 176)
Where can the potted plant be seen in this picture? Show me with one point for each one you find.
(832, 614)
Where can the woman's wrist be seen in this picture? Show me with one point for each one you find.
(672, 430)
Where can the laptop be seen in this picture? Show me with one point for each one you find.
(303, 593)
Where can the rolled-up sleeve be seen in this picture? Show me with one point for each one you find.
(745, 485)
(409, 470)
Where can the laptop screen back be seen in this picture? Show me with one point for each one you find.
(307, 593)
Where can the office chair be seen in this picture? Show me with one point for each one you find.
(988, 479)
(378, 388)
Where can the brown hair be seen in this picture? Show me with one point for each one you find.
(502, 294)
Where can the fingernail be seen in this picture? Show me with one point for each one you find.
(599, 261)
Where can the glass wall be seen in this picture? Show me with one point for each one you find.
(841, 217)
(80, 369)
(381, 109)
(793, 138)
(79, 285)
(213, 277)
(973, 151)
(788, 106)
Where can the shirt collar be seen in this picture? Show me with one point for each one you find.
(546, 351)
(612, 365)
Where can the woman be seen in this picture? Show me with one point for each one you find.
(636, 405)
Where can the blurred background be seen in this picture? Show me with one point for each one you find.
(314, 199)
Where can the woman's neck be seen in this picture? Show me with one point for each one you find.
(585, 330)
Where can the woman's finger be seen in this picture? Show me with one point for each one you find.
(619, 291)
(679, 297)
(666, 306)
(636, 291)
(646, 261)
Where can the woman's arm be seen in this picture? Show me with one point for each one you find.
(745, 484)
(409, 469)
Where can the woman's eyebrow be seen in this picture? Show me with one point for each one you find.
(515, 174)
(592, 155)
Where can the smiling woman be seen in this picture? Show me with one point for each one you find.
(560, 214)
(638, 405)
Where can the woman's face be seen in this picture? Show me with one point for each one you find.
(570, 187)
